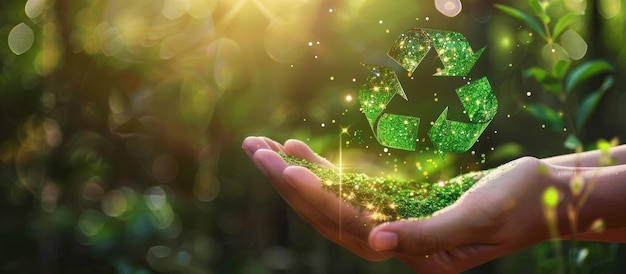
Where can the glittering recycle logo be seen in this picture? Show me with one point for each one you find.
(457, 57)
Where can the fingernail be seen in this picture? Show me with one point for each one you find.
(290, 180)
(250, 145)
(384, 241)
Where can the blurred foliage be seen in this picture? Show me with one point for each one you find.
(560, 78)
(577, 253)
(121, 121)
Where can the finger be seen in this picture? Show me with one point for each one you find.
(420, 237)
(353, 239)
(341, 223)
(251, 144)
(274, 145)
(351, 219)
(274, 166)
(301, 150)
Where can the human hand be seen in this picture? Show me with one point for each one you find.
(502, 213)
(302, 190)
(474, 230)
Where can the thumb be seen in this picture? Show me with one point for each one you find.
(432, 245)
(419, 237)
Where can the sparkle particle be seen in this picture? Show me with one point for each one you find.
(388, 198)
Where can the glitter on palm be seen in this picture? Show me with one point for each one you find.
(391, 199)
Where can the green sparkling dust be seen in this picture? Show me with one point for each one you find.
(458, 58)
(455, 53)
(410, 48)
(398, 131)
(454, 136)
(480, 104)
(377, 91)
(391, 199)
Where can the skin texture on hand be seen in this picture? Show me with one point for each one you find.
(502, 213)
(301, 189)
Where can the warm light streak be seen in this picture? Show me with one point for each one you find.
(343, 131)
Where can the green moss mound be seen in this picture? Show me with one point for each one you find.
(388, 198)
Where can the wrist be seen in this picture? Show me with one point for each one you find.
(591, 200)
(605, 197)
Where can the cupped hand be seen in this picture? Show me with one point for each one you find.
(504, 212)
(487, 222)
(302, 190)
(500, 214)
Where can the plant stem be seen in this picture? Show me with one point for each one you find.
(562, 96)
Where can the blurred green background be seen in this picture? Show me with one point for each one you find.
(122, 120)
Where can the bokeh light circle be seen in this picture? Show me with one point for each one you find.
(282, 43)
(574, 44)
(450, 8)
(21, 39)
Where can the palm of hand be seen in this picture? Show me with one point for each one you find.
(496, 217)
(484, 224)
(337, 221)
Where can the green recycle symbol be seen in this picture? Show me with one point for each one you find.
(457, 57)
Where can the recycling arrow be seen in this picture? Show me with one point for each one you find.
(458, 58)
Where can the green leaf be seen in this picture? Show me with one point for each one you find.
(572, 142)
(584, 72)
(544, 18)
(560, 68)
(607, 83)
(506, 151)
(536, 72)
(605, 146)
(547, 116)
(545, 79)
(590, 102)
(563, 23)
(530, 22)
(536, 7)
(606, 159)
